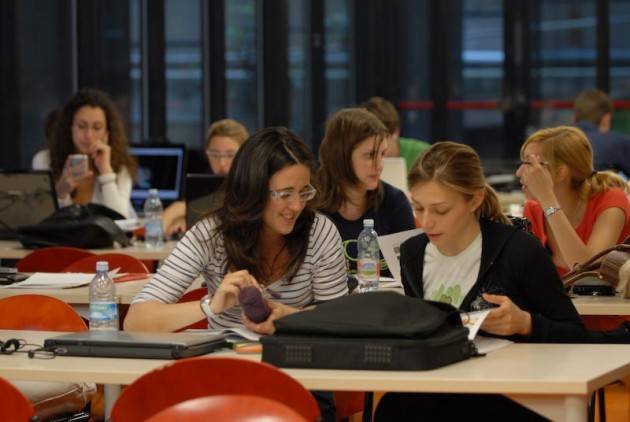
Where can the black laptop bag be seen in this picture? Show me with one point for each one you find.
(81, 226)
(376, 330)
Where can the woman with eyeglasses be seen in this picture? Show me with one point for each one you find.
(350, 189)
(265, 235)
(223, 140)
(88, 154)
(472, 258)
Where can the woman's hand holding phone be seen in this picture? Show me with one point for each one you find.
(75, 169)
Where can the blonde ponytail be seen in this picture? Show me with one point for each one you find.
(490, 208)
(601, 181)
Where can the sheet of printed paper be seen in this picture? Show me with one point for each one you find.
(390, 248)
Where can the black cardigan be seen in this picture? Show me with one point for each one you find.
(515, 263)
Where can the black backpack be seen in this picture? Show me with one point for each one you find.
(88, 226)
(376, 330)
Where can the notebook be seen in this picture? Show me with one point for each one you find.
(203, 195)
(122, 344)
(26, 197)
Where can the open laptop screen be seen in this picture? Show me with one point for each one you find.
(26, 197)
(160, 167)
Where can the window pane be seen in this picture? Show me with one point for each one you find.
(240, 57)
(183, 72)
(135, 73)
(620, 61)
(337, 55)
(481, 78)
(564, 55)
(298, 108)
(415, 69)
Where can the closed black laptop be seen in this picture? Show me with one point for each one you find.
(123, 344)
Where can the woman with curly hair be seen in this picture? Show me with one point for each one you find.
(90, 125)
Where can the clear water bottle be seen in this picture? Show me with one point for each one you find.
(368, 262)
(103, 306)
(153, 234)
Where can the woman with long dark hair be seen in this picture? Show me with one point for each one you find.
(265, 235)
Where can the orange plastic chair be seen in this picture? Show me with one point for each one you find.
(15, 406)
(348, 403)
(126, 263)
(228, 408)
(191, 296)
(39, 312)
(210, 376)
(45, 313)
(51, 260)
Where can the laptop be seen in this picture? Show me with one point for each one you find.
(395, 172)
(204, 194)
(122, 344)
(26, 197)
(160, 166)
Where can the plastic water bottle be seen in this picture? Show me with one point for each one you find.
(368, 263)
(103, 306)
(153, 234)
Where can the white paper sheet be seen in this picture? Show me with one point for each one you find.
(54, 281)
(231, 334)
(390, 248)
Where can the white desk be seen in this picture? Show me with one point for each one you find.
(555, 380)
(602, 305)
(12, 249)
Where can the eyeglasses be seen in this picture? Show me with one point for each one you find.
(217, 155)
(286, 194)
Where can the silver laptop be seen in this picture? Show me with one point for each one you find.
(122, 344)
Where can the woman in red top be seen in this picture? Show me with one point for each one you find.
(575, 211)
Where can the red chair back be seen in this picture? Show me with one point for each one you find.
(39, 312)
(126, 263)
(209, 376)
(228, 408)
(191, 296)
(15, 406)
(51, 260)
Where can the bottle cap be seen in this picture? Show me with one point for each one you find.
(153, 191)
(368, 222)
(102, 266)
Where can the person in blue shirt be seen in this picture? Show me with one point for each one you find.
(348, 180)
(593, 114)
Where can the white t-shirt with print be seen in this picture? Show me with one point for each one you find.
(449, 278)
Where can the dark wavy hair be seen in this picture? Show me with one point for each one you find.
(247, 192)
(62, 145)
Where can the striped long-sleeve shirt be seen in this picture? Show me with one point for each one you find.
(201, 252)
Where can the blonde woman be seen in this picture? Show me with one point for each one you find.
(575, 211)
(469, 256)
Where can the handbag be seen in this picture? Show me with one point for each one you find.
(602, 273)
(89, 226)
(375, 330)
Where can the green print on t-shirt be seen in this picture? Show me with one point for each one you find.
(452, 295)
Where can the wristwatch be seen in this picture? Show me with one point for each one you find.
(551, 210)
(205, 306)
